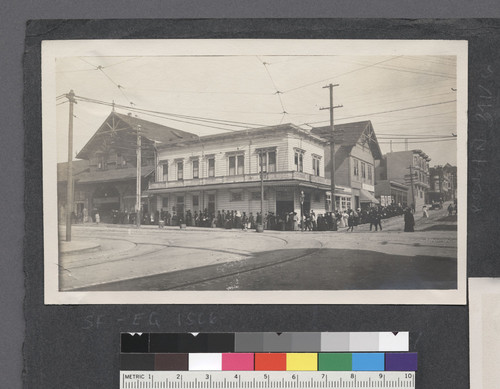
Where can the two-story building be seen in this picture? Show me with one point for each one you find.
(106, 170)
(405, 168)
(181, 171)
(356, 150)
(223, 172)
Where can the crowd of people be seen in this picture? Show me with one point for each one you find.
(284, 221)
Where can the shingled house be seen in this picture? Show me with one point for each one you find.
(356, 151)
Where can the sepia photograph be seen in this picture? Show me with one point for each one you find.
(255, 171)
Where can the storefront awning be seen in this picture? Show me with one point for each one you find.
(367, 197)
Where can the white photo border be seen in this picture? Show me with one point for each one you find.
(198, 47)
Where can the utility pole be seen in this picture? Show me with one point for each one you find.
(412, 190)
(138, 179)
(69, 185)
(261, 156)
(391, 145)
(332, 149)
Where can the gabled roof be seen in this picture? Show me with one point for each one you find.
(112, 175)
(352, 134)
(79, 166)
(120, 123)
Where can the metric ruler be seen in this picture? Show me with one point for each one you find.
(265, 379)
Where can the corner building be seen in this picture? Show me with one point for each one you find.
(222, 172)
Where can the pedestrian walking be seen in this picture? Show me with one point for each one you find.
(345, 218)
(313, 221)
(350, 221)
(378, 220)
(424, 211)
(409, 220)
(295, 220)
(373, 218)
(97, 218)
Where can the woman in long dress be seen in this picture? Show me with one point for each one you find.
(409, 221)
(342, 220)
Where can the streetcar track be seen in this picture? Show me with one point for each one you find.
(264, 266)
(163, 245)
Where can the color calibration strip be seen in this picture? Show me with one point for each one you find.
(269, 362)
(261, 342)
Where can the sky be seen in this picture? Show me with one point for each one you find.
(412, 97)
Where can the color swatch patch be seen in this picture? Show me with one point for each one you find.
(265, 342)
(315, 351)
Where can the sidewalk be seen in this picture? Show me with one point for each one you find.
(77, 246)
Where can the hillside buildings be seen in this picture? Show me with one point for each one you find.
(443, 183)
(403, 178)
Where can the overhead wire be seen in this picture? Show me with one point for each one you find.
(382, 112)
(278, 92)
(336, 76)
(417, 117)
(200, 92)
(403, 69)
(165, 113)
(419, 141)
(193, 120)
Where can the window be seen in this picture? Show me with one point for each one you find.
(236, 196)
(363, 170)
(196, 168)
(356, 167)
(271, 161)
(241, 164)
(299, 161)
(196, 200)
(211, 167)
(267, 159)
(315, 162)
(236, 164)
(232, 166)
(164, 202)
(256, 196)
(370, 177)
(263, 162)
(165, 171)
(101, 164)
(180, 171)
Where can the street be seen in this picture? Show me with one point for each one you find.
(124, 258)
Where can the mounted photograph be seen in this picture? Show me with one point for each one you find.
(254, 171)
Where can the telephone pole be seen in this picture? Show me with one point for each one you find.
(138, 179)
(333, 136)
(262, 189)
(412, 189)
(69, 185)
